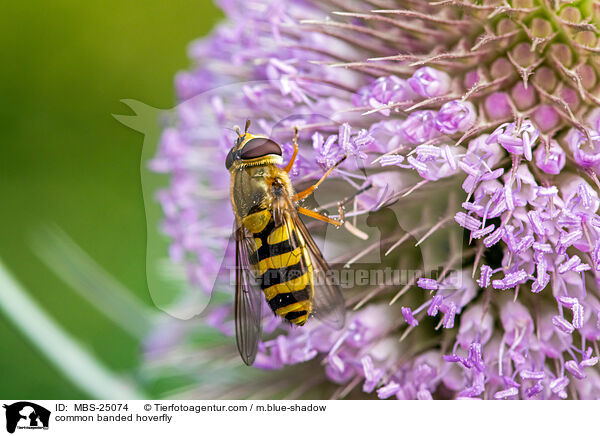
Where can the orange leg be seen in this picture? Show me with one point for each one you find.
(318, 216)
(310, 190)
(340, 205)
(288, 167)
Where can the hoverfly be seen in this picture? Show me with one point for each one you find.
(275, 254)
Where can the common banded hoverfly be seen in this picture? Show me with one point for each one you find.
(275, 253)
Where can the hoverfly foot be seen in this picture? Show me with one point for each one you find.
(341, 213)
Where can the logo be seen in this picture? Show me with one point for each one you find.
(26, 415)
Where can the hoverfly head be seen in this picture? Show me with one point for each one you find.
(251, 147)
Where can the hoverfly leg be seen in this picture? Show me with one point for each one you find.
(290, 164)
(341, 213)
(342, 203)
(318, 216)
(340, 206)
(311, 189)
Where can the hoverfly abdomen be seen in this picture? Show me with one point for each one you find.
(283, 271)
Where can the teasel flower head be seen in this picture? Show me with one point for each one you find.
(489, 111)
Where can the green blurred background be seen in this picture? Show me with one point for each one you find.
(65, 160)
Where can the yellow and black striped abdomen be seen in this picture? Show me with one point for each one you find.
(283, 267)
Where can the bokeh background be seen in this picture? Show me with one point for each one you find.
(66, 163)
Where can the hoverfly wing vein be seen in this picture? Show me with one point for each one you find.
(247, 302)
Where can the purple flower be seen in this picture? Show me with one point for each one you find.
(491, 153)
(429, 82)
(516, 140)
(497, 106)
(546, 118)
(419, 127)
(409, 317)
(384, 91)
(455, 116)
(586, 152)
(433, 162)
(550, 159)
(430, 284)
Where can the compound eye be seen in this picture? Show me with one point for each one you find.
(229, 159)
(259, 147)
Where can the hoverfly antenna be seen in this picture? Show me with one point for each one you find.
(247, 126)
(237, 130)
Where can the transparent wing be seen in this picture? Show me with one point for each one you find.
(328, 300)
(248, 301)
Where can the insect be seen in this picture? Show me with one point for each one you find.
(275, 254)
